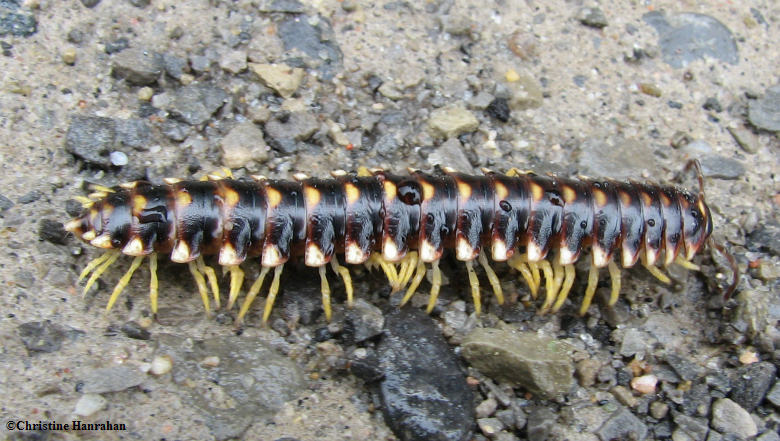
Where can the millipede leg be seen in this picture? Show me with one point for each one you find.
(558, 275)
(344, 273)
(389, 269)
(153, 284)
(272, 291)
(517, 263)
(202, 288)
(212, 277)
(492, 278)
(655, 271)
(593, 281)
(687, 264)
(418, 276)
(614, 277)
(325, 288)
(236, 280)
(474, 282)
(94, 263)
(112, 256)
(568, 281)
(120, 286)
(250, 296)
(549, 285)
(435, 285)
(534, 267)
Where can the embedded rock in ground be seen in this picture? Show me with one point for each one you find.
(540, 364)
(279, 77)
(423, 391)
(243, 144)
(111, 379)
(764, 113)
(194, 104)
(91, 138)
(686, 37)
(730, 418)
(622, 425)
(45, 336)
(452, 121)
(137, 66)
(752, 383)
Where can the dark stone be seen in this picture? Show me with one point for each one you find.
(117, 45)
(44, 336)
(362, 322)
(499, 109)
(194, 104)
(713, 104)
(322, 334)
(75, 36)
(318, 42)
(424, 391)
(386, 144)
(286, 6)
(90, 3)
(686, 369)
(593, 17)
(366, 366)
(579, 80)
(6, 47)
(686, 37)
(91, 138)
(140, 3)
(134, 133)
(622, 425)
(5, 204)
(175, 130)
(52, 231)
(675, 104)
(765, 238)
(174, 66)
(14, 21)
(721, 167)
(73, 208)
(111, 379)
(134, 330)
(697, 400)
(764, 113)
(621, 160)
(137, 66)
(752, 383)
(29, 197)
(696, 428)
(540, 423)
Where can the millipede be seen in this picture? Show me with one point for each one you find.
(540, 225)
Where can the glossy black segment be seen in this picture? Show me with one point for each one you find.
(156, 219)
(285, 224)
(199, 223)
(695, 222)
(244, 222)
(401, 223)
(654, 221)
(326, 219)
(438, 213)
(673, 229)
(606, 217)
(119, 220)
(546, 214)
(511, 211)
(632, 222)
(577, 216)
(364, 220)
(475, 213)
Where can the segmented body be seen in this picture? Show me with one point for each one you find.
(536, 223)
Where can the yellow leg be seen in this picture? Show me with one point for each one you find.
(418, 276)
(534, 267)
(236, 280)
(120, 286)
(94, 263)
(687, 264)
(614, 277)
(492, 278)
(517, 263)
(435, 286)
(250, 296)
(655, 271)
(112, 256)
(153, 285)
(407, 269)
(325, 288)
(549, 285)
(474, 282)
(389, 269)
(212, 277)
(344, 273)
(593, 281)
(558, 275)
(269, 301)
(568, 281)
(202, 288)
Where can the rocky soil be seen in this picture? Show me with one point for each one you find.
(102, 92)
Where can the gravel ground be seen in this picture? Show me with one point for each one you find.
(102, 92)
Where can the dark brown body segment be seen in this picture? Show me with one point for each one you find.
(475, 214)
(438, 215)
(577, 218)
(632, 222)
(244, 210)
(545, 217)
(606, 221)
(512, 208)
(401, 220)
(364, 217)
(285, 222)
(325, 219)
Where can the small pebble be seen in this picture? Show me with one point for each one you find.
(88, 404)
(486, 408)
(624, 396)
(650, 89)
(118, 158)
(145, 93)
(134, 330)
(210, 361)
(644, 384)
(161, 364)
(748, 357)
(490, 426)
(69, 56)
(659, 410)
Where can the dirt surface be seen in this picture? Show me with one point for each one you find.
(594, 100)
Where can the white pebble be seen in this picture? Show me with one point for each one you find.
(118, 158)
(644, 384)
(89, 404)
(161, 364)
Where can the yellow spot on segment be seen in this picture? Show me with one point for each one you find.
(353, 254)
(600, 197)
(364, 171)
(390, 190)
(228, 255)
(646, 199)
(231, 197)
(183, 198)
(89, 235)
(665, 199)
(314, 256)
(537, 193)
(274, 197)
(464, 190)
(501, 191)
(569, 195)
(271, 256)
(102, 241)
(625, 198)
(135, 247)
(73, 225)
(463, 249)
(181, 252)
(353, 194)
(312, 196)
(428, 190)
(139, 203)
